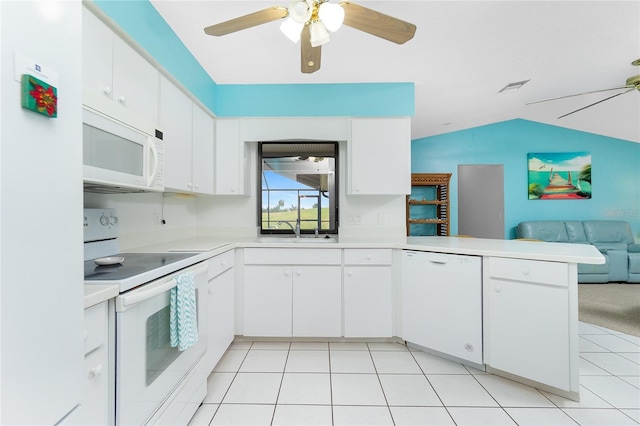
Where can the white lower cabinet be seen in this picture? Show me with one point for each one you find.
(289, 292)
(527, 320)
(221, 312)
(367, 293)
(317, 297)
(268, 295)
(95, 406)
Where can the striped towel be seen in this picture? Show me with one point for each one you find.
(183, 316)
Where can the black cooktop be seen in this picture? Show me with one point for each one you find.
(133, 264)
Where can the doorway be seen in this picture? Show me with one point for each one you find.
(481, 200)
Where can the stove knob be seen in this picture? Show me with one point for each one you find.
(104, 221)
(113, 220)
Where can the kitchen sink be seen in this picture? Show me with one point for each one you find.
(302, 240)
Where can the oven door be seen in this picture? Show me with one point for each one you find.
(148, 369)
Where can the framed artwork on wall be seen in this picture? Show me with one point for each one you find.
(559, 175)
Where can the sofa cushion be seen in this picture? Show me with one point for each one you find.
(604, 247)
(633, 248)
(546, 230)
(575, 231)
(608, 231)
(634, 263)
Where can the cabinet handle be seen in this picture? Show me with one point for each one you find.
(224, 262)
(233, 190)
(96, 371)
(106, 90)
(210, 291)
(122, 99)
(525, 270)
(497, 289)
(298, 273)
(286, 273)
(368, 257)
(189, 184)
(349, 274)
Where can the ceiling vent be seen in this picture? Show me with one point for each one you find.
(513, 86)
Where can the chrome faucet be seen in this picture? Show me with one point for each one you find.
(295, 230)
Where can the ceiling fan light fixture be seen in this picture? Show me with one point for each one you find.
(300, 10)
(291, 29)
(331, 15)
(319, 33)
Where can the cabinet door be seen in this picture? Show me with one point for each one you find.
(367, 301)
(528, 322)
(135, 81)
(221, 316)
(202, 145)
(267, 300)
(380, 156)
(317, 301)
(175, 122)
(97, 55)
(229, 158)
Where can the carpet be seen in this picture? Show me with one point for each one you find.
(612, 305)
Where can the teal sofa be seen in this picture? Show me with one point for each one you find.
(613, 238)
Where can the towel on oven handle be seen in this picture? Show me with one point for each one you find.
(183, 322)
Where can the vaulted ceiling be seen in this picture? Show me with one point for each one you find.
(462, 55)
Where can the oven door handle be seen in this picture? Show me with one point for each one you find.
(126, 301)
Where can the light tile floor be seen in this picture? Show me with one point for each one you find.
(296, 383)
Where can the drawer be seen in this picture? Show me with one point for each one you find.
(220, 263)
(367, 257)
(95, 327)
(533, 271)
(290, 256)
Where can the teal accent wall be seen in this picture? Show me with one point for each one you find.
(615, 170)
(317, 100)
(142, 22)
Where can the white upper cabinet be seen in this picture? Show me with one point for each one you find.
(175, 122)
(202, 155)
(188, 141)
(115, 70)
(379, 156)
(230, 158)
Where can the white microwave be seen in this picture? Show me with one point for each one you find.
(121, 150)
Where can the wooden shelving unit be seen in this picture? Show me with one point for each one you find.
(428, 204)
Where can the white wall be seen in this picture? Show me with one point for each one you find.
(139, 216)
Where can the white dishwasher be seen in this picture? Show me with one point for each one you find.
(442, 303)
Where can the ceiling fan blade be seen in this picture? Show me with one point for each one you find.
(376, 23)
(580, 94)
(247, 21)
(596, 103)
(310, 56)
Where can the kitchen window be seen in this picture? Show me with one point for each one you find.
(298, 184)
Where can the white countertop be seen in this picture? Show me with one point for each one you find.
(518, 249)
(98, 293)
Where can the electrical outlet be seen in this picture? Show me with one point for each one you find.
(354, 219)
(157, 219)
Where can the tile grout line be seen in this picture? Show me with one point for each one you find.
(231, 383)
(433, 388)
(275, 405)
(380, 382)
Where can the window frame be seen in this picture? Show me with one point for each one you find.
(333, 210)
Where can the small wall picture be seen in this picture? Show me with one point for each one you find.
(39, 96)
(559, 176)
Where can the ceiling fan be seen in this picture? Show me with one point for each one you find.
(632, 83)
(310, 21)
